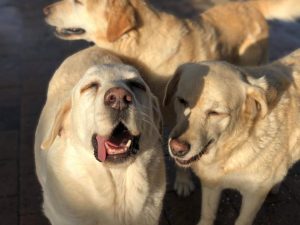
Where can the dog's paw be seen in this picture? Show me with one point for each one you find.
(184, 186)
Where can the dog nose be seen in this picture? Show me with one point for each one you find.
(47, 10)
(118, 98)
(179, 148)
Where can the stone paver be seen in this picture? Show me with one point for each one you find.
(9, 144)
(28, 57)
(9, 210)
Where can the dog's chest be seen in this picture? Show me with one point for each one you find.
(80, 186)
(238, 178)
(131, 193)
(110, 198)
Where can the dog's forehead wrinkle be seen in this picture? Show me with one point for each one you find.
(90, 78)
(216, 98)
(113, 72)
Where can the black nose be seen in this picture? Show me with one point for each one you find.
(179, 148)
(118, 98)
(47, 10)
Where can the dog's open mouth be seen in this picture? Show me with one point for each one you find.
(118, 147)
(205, 150)
(66, 32)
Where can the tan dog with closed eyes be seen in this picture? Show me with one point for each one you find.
(236, 128)
(98, 145)
(157, 42)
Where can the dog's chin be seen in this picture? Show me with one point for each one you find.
(188, 162)
(69, 33)
(119, 149)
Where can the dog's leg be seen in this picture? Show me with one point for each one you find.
(183, 182)
(210, 203)
(251, 203)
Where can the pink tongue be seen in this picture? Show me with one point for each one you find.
(101, 148)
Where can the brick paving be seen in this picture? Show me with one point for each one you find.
(29, 54)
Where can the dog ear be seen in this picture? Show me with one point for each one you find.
(172, 86)
(256, 102)
(121, 19)
(57, 126)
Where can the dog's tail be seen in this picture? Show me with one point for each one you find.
(287, 10)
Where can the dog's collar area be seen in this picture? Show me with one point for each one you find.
(65, 32)
(204, 151)
(118, 147)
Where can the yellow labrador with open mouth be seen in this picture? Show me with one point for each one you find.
(98, 145)
(236, 128)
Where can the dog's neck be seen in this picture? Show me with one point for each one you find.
(156, 34)
(120, 190)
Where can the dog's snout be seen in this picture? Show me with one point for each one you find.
(47, 10)
(179, 148)
(118, 98)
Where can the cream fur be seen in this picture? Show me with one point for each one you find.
(157, 42)
(251, 115)
(78, 189)
(278, 9)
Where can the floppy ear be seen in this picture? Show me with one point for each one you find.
(121, 18)
(57, 126)
(256, 102)
(172, 86)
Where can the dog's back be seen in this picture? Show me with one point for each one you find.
(244, 35)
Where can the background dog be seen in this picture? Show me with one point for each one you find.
(236, 128)
(98, 145)
(158, 42)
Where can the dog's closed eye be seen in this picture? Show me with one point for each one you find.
(78, 2)
(214, 113)
(183, 102)
(90, 86)
(136, 84)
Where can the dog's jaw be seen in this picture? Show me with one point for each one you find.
(69, 33)
(203, 151)
(118, 147)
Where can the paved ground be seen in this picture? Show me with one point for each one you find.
(29, 54)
